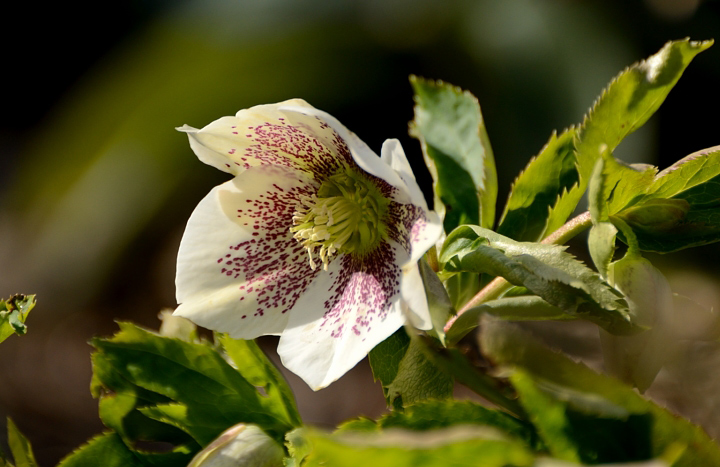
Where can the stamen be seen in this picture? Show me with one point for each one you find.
(345, 215)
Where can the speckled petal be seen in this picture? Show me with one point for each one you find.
(240, 270)
(362, 155)
(271, 135)
(345, 314)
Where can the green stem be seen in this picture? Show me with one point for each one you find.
(499, 285)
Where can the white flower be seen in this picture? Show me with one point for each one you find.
(316, 239)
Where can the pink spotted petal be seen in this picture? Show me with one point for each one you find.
(271, 135)
(239, 269)
(345, 314)
(362, 155)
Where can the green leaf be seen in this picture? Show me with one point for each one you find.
(455, 446)
(584, 415)
(108, 450)
(168, 370)
(697, 169)
(615, 186)
(546, 270)
(450, 127)
(434, 414)
(20, 446)
(627, 103)
(119, 404)
(547, 176)
(681, 208)
(522, 308)
(439, 304)
(631, 99)
(255, 367)
(13, 313)
(601, 243)
(406, 374)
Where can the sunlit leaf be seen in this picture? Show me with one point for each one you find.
(452, 133)
(627, 103)
(550, 174)
(546, 270)
(20, 447)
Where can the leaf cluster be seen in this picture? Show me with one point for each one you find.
(163, 399)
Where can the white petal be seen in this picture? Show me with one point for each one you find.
(413, 295)
(239, 269)
(363, 156)
(346, 313)
(270, 135)
(393, 155)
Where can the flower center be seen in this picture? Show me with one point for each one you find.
(345, 215)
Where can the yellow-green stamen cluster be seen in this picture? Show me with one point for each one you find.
(345, 215)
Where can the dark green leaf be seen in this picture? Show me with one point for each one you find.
(434, 414)
(108, 450)
(452, 133)
(545, 270)
(568, 402)
(216, 396)
(406, 374)
(254, 365)
(538, 187)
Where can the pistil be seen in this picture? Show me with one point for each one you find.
(345, 215)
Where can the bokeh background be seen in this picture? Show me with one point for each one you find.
(95, 184)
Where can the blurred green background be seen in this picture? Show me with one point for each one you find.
(95, 184)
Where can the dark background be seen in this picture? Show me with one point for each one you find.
(95, 185)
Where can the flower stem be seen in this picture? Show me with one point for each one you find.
(499, 285)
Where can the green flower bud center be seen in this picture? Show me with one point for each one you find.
(345, 215)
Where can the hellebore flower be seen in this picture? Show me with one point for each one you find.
(316, 239)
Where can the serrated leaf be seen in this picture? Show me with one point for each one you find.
(631, 99)
(628, 102)
(681, 209)
(193, 374)
(108, 450)
(537, 188)
(254, 365)
(614, 186)
(549, 381)
(455, 446)
(20, 447)
(698, 168)
(119, 404)
(546, 270)
(434, 414)
(406, 374)
(13, 313)
(450, 127)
